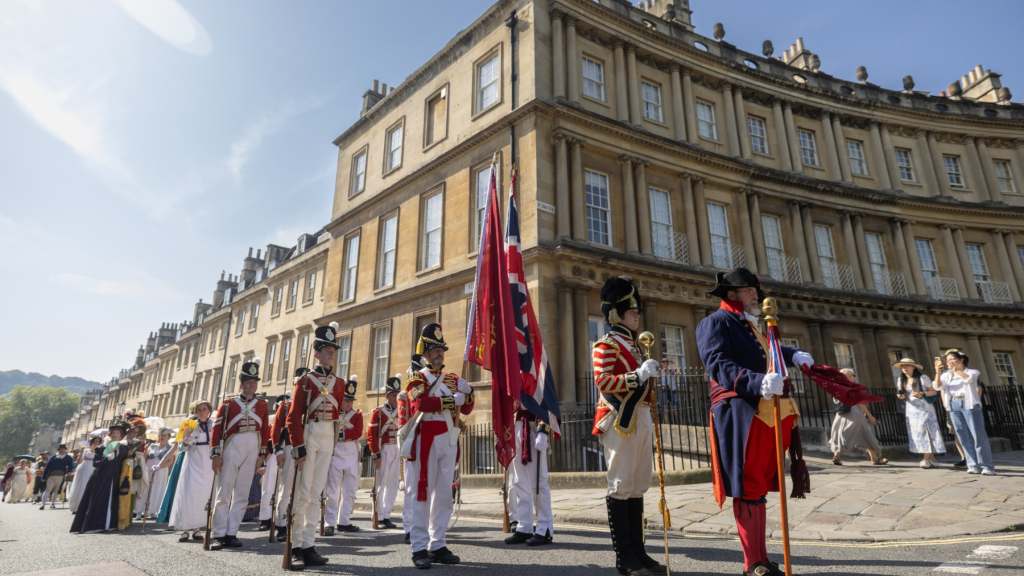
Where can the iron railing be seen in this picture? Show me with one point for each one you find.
(994, 292)
(942, 288)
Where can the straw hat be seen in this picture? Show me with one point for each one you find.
(907, 362)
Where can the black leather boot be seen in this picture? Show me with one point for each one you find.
(636, 529)
(626, 561)
(310, 557)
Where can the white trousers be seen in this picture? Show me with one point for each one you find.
(319, 439)
(630, 458)
(268, 483)
(407, 496)
(342, 483)
(241, 450)
(387, 480)
(430, 517)
(284, 496)
(530, 485)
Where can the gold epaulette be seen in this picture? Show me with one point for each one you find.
(607, 339)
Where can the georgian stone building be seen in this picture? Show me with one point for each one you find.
(887, 221)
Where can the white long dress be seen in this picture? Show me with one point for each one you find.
(923, 433)
(21, 486)
(82, 474)
(158, 479)
(193, 492)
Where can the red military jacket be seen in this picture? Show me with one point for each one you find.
(418, 398)
(355, 430)
(279, 429)
(319, 393)
(383, 426)
(235, 416)
(615, 358)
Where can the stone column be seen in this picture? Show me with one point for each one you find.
(841, 155)
(939, 166)
(558, 54)
(792, 138)
(927, 172)
(827, 344)
(566, 345)
(754, 199)
(953, 258)
(634, 86)
(933, 350)
(1004, 264)
(581, 349)
(812, 247)
(702, 221)
(965, 263)
(918, 286)
(831, 154)
(922, 350)
(741, 123)
(889, 152)
(881, 158)
(629, 205)
(563, 207)
(689, 107)
(690, 209)
(979, 361)
(878, 363)
(678, 119)
(651, 323)
(1015, 263)
(901, 251)
(978, 178)
(731, 140)
(782, 146)
(862, 249)
(989, 361)
(859, 276)
(579, 224)
(643, 205)
(800, 241)
(748, 239)
(572, 60)
(621, 92)
(817, 345)
(988, 169)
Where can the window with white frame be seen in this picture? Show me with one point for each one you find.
(293, 292)
(979, 266)
(826, 255)
(593, 79)
(349, 268)
(1003, 362)
(844, 356)
(213, 339)
(310, 291)
(662, 239)
(488, 82)
(430, 230)
(706, 126)
(926, 255)
(651, 94)
(277, 300)
(387, 251)
(905, 164)
(286, 358)
(358, 172)
(240, 323)
(855, 153)
(1020, 254)
(393, 142)
(954, 175)
(268, 373)
(771, 226)
(876, 258)
(381, 356)
(481, 189)
(758, 134)
(596, 328)
(672, 345)
(599, 226)
(344, 355)
(301, 351)
(1004, 177)
(721, 245)
(808, 147)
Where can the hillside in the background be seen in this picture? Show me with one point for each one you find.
(9, 379)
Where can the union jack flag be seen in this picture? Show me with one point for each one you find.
(776, 361)
(538, 394)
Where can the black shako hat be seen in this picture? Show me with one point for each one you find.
(326, 336)
(351, 387)
(619, 294)
(393, 385)
(250, 370)
(738, 278)
(431, 338)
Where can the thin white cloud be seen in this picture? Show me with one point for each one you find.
(170, 22)
(266, 125)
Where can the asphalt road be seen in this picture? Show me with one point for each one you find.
(37, 542)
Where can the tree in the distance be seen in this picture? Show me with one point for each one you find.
(28, 408)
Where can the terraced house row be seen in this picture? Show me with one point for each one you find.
(887, 221)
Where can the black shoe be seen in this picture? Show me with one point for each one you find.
(636, 524)
(348, 528)
(233, 542)
(518, 538)
(540, 539)
(310, 557)
(282, 533)
(297, 553)
(406, 537)
(764, 569)
(196, 536)
(388, 524)
(221, 542)
(328, 531)
(185, 537)
(264, 525)
(444, 556)
(421, 559)
(961, 464)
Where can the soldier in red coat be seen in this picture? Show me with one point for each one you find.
(405, 427)
(343, 477)
(622, 421)
(241, 441)
(285, 459)
(312, 428)
(380, 438)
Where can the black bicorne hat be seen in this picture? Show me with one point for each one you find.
(430, 339)
(619, 294)
(738, 278)
(326, 336)
(250, 370)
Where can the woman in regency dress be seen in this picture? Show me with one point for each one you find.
(19, 486)
(83, 471)
(98, 509)
(155, 456)
(188, 512)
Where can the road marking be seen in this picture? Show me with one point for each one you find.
(960, 568)
(992, 552)
(977, 560)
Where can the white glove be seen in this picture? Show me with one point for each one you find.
(771, 385)
(460, 398)
(464, 387)
(801, 359)
(649, 368)
(155, 467)
(540, 442)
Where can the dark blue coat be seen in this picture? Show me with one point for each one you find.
(735, 363)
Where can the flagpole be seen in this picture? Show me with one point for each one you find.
(770, 308)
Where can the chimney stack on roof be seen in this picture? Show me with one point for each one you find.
(677, 11)
(798, 56)
(250, 268)
(981, 85)
(375, 94)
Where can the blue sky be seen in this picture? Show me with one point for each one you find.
(145, 145)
